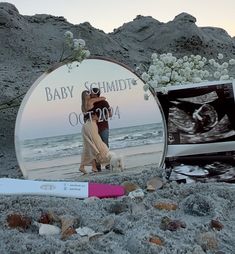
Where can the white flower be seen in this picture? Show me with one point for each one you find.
(165, 79)
(224, 77)
(198, 58)
(185, 58)
(220, 56)
(146, 96)
(154, 56)
(167, 70)
(68, 34)
(146, 87)
(134, 82)
(211, 61)
(86, 53)
(232, 61)
(196, 80)
(78, 43)
(152, 69)
(145, 77)
(217, 75)
(225, 65)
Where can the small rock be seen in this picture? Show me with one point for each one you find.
(18, 221)
(156, 240)
(137, 194)
(45, 218)
(107, 224)
(172, 225)
(154, 184)
(208, 241)
(215, 224)
(46, 229)
(197, 205)
(129, 187)
(67, 227)
(166, 206)
(118, 207)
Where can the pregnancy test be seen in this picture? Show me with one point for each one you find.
(10, 186)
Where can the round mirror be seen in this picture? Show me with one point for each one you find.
(87, 119)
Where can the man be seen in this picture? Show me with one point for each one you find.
(103, 111)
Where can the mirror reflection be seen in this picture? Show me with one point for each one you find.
(88, 119)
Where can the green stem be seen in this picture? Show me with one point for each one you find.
(10, 101)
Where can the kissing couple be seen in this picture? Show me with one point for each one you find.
(95, 131)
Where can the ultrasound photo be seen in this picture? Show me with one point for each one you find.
(201, 115)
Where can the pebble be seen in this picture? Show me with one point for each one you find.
(46, 229)
(208, 241)
(215, 224)
(154, 184)
(156, 240)
(171, 225)
(18, 221)
(137, 194)
(197, 205)
(166, 206)
(129, 187)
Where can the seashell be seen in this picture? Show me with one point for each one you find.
(53, 216)
(67, 227)
(85, 231)
(154, 184)
(156, 240)
(166, 206)
(18, 221)
(129, 187)
(136, 194)
(46, 229)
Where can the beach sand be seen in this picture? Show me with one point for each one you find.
(135, 160)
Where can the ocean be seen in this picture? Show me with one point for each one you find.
(49, 148)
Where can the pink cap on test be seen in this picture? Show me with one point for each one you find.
(105, 190)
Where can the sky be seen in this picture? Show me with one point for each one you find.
(110, 14)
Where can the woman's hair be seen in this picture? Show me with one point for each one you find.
(84, 102)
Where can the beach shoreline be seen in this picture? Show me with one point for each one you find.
(135, 159)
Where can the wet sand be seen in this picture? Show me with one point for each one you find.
(135, 160)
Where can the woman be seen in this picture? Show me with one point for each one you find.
(94, 149)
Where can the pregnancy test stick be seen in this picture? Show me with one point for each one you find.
(10, 186)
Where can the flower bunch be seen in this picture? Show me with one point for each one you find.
(73, 49)
(167, 70)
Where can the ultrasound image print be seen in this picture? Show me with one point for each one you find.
(201, 115)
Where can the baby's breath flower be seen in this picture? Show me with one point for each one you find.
(166, 70)
(74, 49)
(146, 87)
(145, 76)
(232, 61)
(68, 34)
(220, 56)
(146, 96)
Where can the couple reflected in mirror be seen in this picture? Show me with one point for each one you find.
(95, 131)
